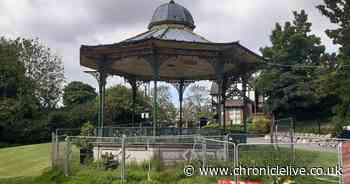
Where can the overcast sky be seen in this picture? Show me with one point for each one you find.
(64, 25)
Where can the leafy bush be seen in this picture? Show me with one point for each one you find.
(234, 129)
(87, 129)
(212, 125)
(320, 126)
(260, 124)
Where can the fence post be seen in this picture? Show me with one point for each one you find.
(236, 159)
(66, 165)
(57, 146)
(53, 151)
(204, 152)
(292, 139)
(195, 140)
(276, 132)
(226, 148)
(272, 129)
(123, 159)
(340, 161)
(149, 160)
(99, 153)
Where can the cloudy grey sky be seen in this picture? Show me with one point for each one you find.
(64, 25)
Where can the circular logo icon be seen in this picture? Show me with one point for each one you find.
(189, 170)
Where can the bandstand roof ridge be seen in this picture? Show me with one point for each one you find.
(170, 32)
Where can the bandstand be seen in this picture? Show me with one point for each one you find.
(170, 51)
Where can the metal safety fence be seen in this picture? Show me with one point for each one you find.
(150, 154)
(71, 152)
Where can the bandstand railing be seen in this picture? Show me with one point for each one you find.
(164, 131)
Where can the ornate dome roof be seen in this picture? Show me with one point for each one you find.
(172, 13)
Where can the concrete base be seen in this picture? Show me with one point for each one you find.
(166, 153)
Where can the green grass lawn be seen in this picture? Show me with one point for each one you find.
(263, 155)
(24, 161)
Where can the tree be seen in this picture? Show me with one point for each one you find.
(338, 12)
(118, 107)
(165, 108)
(30, 79)
(18, 108)
(198, 97)
(78, 93)
(12, 75)
(45, 69)
(337, 80)
(189, 114)
(11, 69)
(288, 76)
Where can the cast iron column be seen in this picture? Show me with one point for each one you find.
(102, 88)
(155, 65)
(155, 108)
(101, 77)
(181, 94)
(219, 102)
(244, 91)
(223, 97)
(133, 84)
(219, 72)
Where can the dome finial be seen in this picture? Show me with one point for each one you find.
(172, 13)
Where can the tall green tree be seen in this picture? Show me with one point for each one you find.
(338, 12)
(118, 107)
(20, 108)
(337, 80)
(11, 69)
(46, 71)
(76, 93)
(289, 71)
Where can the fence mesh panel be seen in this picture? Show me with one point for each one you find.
(59, 150)
(127, 157)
